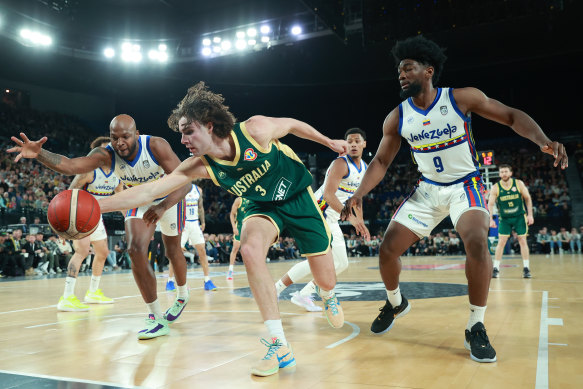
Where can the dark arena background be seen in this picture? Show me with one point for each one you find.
(69, 66)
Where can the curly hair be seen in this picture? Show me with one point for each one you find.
(204, 106)
(423, 51)
(99, 141)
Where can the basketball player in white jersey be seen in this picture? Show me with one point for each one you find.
(98, 183)
(436, 123)
(343, 177)
(192, 234)
(136, 159)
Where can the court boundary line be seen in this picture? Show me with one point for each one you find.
(69, 379)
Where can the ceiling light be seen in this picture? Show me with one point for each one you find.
(265, 29)
(251, 32)
(240, 34)
(206, 42)
(296, 30)
(109, 52)
(206, 51)
(162, 47)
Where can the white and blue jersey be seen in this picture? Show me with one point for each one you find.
(440, 138)
(348, 185)
(102, 184)
(192, 204)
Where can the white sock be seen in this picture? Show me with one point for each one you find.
(476, 315)
(207, 278)
(231, 267)
(497, 264)
(395, 297)
(308, 289)
(94, 285)
(172, 279)
(526, 263)
(69, 286)
(325, 294)
(275, 330)
(279, 287)
(182, 291)
(155, 308)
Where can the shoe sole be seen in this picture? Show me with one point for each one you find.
(152, 336)
(315, 308)
(97, 302)
(485, 360)
(73, 309)
(406, 311)
(273, 371)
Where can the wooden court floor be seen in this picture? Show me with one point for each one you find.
(535, 326)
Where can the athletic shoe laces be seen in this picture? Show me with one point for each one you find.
(332, 304)
(273, 347)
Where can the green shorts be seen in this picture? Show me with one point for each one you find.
(302, 218)
(517, 223)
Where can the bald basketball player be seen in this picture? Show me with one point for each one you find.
(136, 159)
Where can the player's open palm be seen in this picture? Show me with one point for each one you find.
(25, 147)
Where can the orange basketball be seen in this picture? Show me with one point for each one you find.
(74, 214)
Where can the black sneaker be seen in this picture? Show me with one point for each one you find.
(477, 342)
(526, 273)
(385, 319)
(495, 272)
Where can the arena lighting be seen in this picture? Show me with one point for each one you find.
(240, 44)
(264, 39)
(206, 51)
(217, 39)
(251, 32)
(158, 55)
(226, 45)
(35, 37)
(206, 42)
(265, 29)
(109, 52)
(296, 30)
(240, 35)
(162, 47)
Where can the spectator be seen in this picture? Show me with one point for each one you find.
(575, 241)
(542, 241)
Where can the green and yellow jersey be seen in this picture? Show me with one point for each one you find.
(509, 201)
(272, 174)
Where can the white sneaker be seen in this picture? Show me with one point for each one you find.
(307, 302)
(52, 272)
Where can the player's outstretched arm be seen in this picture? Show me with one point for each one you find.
(98, 157)
(474, 100)
(189, 169)
(264, 129)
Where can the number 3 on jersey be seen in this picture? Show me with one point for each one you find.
(438, 164)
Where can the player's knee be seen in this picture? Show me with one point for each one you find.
(476, 245)
(388, 252)
(250, 253)
(137, 252)
(326, 284)
(82, 251)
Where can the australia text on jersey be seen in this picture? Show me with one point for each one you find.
(249, 179)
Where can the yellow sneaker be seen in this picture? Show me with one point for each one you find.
(334, 312)
(71, 304)
(278, 357)
(97, 297)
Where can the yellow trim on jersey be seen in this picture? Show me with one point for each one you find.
(438, 143)
(237, 153)
(287, 151)
(209, 170)
(311, 192)
(253, 141)
(265, 216)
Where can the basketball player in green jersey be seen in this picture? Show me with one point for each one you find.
(510, 195)
(237, 214)
(249, 161)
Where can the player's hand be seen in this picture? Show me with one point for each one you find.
(202, 226)
(340, 146)
(153, 214)
(25, 147)
(353, 213)
(492, 223)
(558, 151)
(530, 220)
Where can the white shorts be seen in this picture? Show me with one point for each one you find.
(192, 234)
(99, 233)
(429, 204)
(171, 223)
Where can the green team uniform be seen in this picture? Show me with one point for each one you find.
(511, 210)
(240, 216)
(277, 185)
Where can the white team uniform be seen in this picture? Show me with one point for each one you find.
(348, 185)
(443, 148)
(192, 232)
(101, 186)
(144, 168)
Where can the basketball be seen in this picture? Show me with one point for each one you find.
(74, 214)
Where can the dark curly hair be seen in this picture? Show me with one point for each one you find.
(204, 106)
(423, 51)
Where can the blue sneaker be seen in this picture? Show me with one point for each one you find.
(154, 328)
(170, 286)
(176, 309)
(208, 285)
